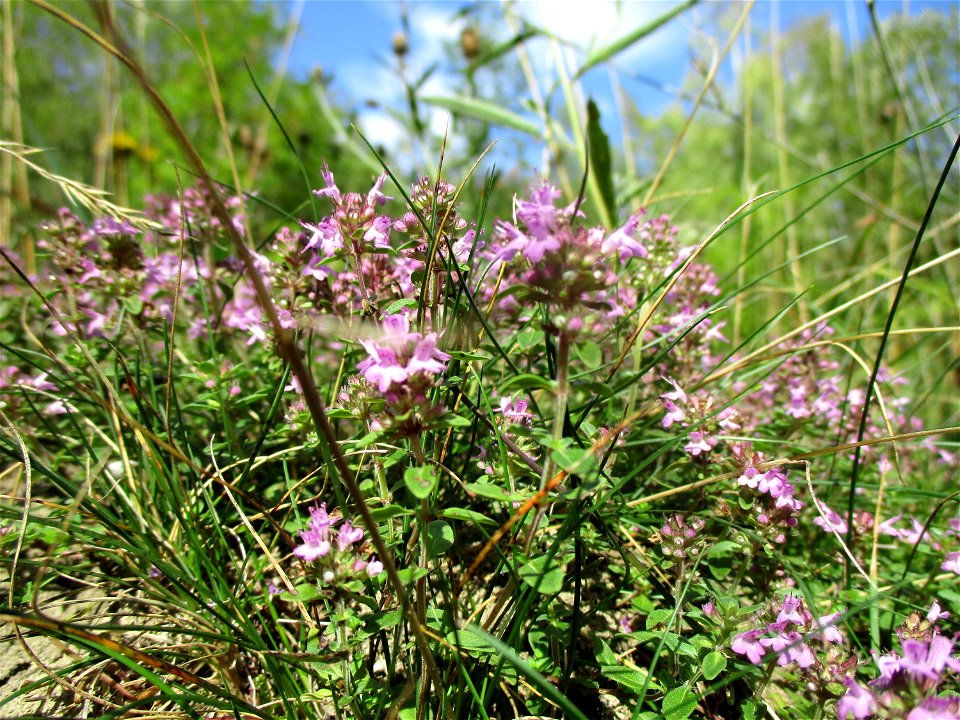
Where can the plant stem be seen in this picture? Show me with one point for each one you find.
(559, 417)
(423, 519)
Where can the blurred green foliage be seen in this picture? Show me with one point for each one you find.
(84, 110)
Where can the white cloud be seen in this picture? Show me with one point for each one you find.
(604, 22)
(381, 129)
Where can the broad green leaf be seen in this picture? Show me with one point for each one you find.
(633, 679)
(457, 421)
(597, 388)
(660, 616)
(420, 480)
(551, 574)
(589, 354)
(713, 664)
(489, 490)
(529, 338)
(382, 620)
(605, 656)
(486, 112)
(679, 703)
(398, 305)
(389, 511)
(439, 538)
(368, 439)
(600, 165)
(458, 513)
(525, 381)
(410, 575)
(468, 641)
(576, 461)
(304, 593)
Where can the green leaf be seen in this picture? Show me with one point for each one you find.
(376, 622)
(457, 421)
(525, 381)
(420, 481)
(398, 305)
(458, 513)
(484, 111)
(749, 710)
(590, 354)
(605, 656)
(468, 640)
(410, 575)
(489, 490)
(439, 538)
(600, 164)
(133, 304)
(550, 572)
(529, 338)
(713, 664)
(660, 616)
(368, 439)
(633, 679)
(679, 703)
(597, 388)
(468, 356)
(304, 593)
(576, 461)
(389, 511)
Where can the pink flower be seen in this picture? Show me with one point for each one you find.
(316, 538)
(699, 444)
(674, 414)
(747, 643)
(936, 708)
(936, 613)
(858, 702)
(829, 632)
(325, 235)
(348, 535)
(381, 367)
(377, 234)
(677, 394)
(951, 562)
(622, 241)
(514, 410)
(400, 356)
(790, 611)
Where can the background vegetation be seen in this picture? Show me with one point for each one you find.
(162, 456)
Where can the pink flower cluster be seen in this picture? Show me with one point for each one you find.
(680, 537)
(788, 636)
(354, 226)
(700, 413)
(400, 358)
(337, 551)
(776, 504)
(514, 410)
(908, 684)
(551, 259)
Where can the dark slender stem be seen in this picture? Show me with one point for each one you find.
(861, 431)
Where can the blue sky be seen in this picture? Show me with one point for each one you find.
(351, 40)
